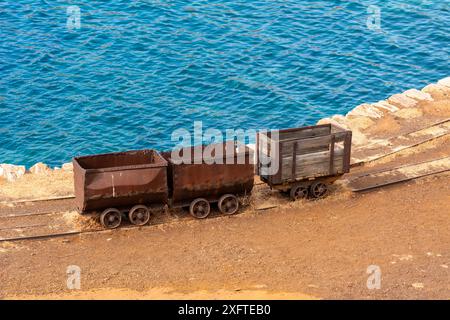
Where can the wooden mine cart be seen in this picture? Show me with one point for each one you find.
(307, 159)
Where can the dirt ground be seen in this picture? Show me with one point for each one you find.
(34, 186)
(299, 250)
(315, 249)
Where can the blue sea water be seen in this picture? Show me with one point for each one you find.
(134, 71)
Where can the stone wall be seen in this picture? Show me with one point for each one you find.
(404, 105)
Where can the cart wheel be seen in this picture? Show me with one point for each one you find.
(200, 208)
(111, 218)
(318, 190)
(228, 204)
(139, 215)
(298, 192)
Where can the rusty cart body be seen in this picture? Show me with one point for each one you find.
(135, 183)
(131, 182)
(209, 176)
(308, 158)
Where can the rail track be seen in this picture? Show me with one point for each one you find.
(395, 168)
(91, 231)
(71, 196)
(41, 207)
(395, 144)
(436, 170)
(379, 185)
(354, 164)
(49, 214)
(398, 174)
(27, 214)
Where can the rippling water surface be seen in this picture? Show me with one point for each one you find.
(136, 70)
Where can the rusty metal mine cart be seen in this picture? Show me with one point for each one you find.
(207, 179)
(134, 183)
(131, 182)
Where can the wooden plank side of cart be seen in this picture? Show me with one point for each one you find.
(314, 152)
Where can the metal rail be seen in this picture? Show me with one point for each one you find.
(43, 236)
(77, 232)
(28, 214)
(408, 132)
(362, 162)
(395, 168)
(374, 186)
(43, 199)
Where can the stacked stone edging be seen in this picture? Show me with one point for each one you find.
(401, 104)
(12, 172)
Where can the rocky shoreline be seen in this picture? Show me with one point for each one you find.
(11, 172)
(406, 105)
